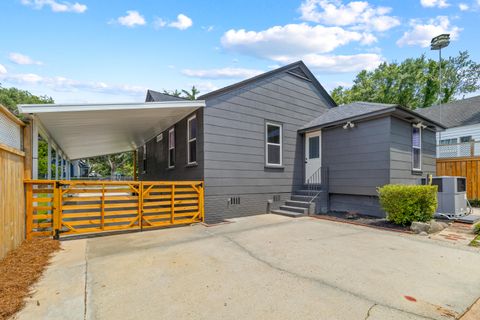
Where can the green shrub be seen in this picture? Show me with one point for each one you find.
(476, 228)
(407, 203)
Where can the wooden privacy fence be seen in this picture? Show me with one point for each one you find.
(468, 167)
(56, 208)
(12, 157)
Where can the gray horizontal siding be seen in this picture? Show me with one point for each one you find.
(157, 155)
(234, 148)
(401, 153)
(357, 158)
(367, 205)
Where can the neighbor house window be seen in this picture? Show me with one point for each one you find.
(273, 144)
(144, 159)
(416, 148)
(171, 148)
(192, 140)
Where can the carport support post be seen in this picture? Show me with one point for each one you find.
(56, 164)
(34, 149)
(49, 161)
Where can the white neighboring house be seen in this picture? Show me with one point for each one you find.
(462, 119)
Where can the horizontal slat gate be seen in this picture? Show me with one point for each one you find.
(468, 167)
(76, 207)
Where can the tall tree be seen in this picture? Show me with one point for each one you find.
(111, 165)
(174, 93)
(10, 97)
(414, 83)
(192, 94)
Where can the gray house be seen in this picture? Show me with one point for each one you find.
(278, 142)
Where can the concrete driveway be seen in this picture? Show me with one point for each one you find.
(261, 267)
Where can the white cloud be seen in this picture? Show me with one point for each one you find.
(222, 73)
(205, 87)
(159, 23)
(357, 14)
(3, 70)
(183, 22)
(291, 40)
(464, 6)
(56, 6)
(132, 19)
(421, 33)
(22, 59)
(208, 28)
(434, 3)
(338, 63)
(64, 84)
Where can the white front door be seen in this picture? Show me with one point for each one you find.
(313, 156)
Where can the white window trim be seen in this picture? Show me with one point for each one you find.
(419, 147)
(171, 147)
(191, 140)
(274, 144)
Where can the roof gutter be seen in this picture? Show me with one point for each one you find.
(46, 108)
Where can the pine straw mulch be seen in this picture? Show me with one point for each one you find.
(20, 269)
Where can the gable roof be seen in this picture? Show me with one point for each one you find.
(298, 69)
(361, 110)
(455, 114)
(155, 96)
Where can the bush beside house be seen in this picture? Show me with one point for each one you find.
(405, 204)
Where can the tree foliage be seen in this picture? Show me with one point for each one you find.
(111, 165)
(11, 97)
(414, 83)
(192, 94)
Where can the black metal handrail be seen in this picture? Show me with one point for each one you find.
(318, 182)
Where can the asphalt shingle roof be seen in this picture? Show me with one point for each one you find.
(347, 111)
(158, 96)
(455, 114)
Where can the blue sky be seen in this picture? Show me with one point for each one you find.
(111, 51)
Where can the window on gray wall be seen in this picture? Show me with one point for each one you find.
(171, 148)
(273, 144)
(416, 148)
(192, 139)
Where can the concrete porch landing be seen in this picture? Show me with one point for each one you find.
(260, 267)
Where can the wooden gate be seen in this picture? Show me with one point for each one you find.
(56, 208)
(468, 167)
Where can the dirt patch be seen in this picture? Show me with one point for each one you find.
(20, 269)
(360, 219)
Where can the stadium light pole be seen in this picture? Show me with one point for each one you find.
(438, 43)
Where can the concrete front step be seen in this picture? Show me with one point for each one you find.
(288, 213)
(304, 192)
(294, 209)
(301, 204)
(302, 198)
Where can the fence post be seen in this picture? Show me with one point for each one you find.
(29, 210)
(472, 148)
(201, 202)
(172, 205)
(140, 205)
(57, 198)
(102, 217)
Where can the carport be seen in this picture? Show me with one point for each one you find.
(76, 131)
(57, 205)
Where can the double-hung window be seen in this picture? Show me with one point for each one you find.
(273, 144)
(416, 148)
(192, 140)
(171, 148)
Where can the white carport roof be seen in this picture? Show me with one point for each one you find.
(87, 130)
